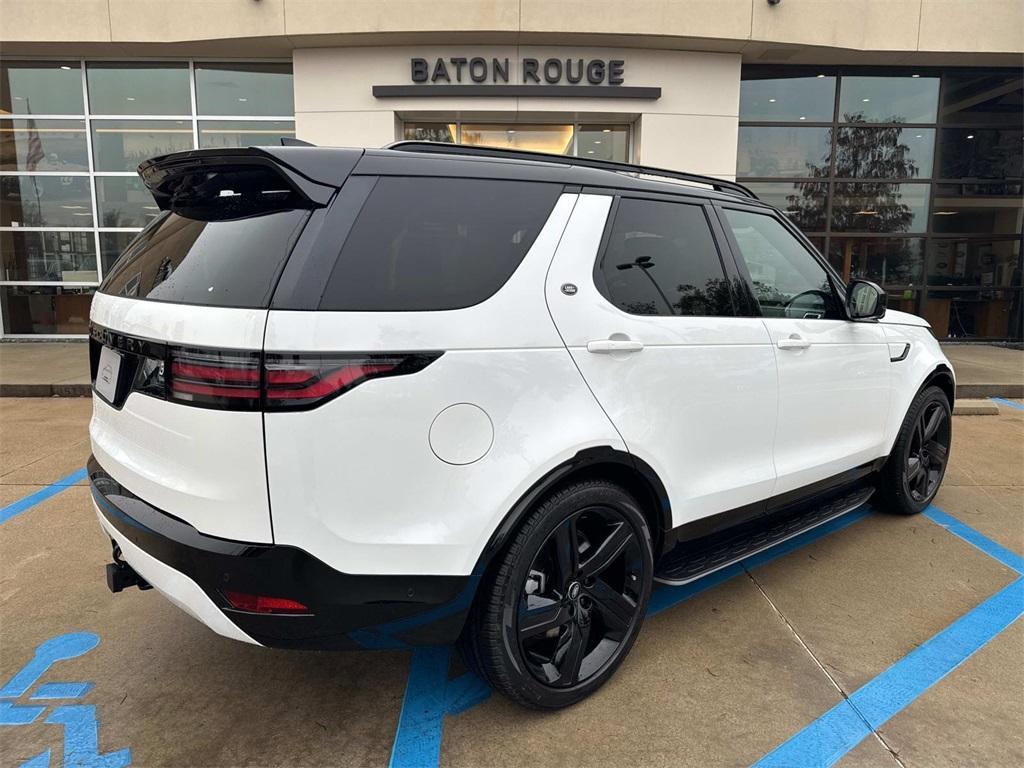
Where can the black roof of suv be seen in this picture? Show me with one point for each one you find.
(329, 166)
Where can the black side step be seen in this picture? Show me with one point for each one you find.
(689, 562)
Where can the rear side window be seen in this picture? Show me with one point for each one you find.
(231, 263)
(435, 243)
(661, 259)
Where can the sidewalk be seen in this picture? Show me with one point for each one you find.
(46, 369)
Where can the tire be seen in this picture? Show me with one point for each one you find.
(550, 628)
(913, 473)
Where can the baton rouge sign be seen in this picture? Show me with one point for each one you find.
(551, 71)
(493, 76)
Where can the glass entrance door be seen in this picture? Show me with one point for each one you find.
(600, 142)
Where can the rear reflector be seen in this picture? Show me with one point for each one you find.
(263, 604)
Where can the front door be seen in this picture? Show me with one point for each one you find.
(833, 373)
(649, 318)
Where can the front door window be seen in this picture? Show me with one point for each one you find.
(787, 281)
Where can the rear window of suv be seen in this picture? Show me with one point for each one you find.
(214, 263)
(436, 243)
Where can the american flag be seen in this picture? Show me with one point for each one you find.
(35, 145)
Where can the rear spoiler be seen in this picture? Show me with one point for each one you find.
(209, 183)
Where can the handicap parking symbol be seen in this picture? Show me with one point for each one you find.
(81, 726)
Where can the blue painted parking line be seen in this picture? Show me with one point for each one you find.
(17, 507)
(971, 536)
(418, 740)
(1004, 401)
(826, 740)
(834, 734)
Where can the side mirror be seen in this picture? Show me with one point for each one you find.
(864, 300)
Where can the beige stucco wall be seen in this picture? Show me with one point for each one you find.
(692, 126)
(937, 31)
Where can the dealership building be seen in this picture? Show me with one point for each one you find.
(890, 131)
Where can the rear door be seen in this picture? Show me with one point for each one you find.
(644, 302)
(833, 373)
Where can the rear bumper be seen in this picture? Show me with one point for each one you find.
(347, 611)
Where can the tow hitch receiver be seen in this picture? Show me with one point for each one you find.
(120, 575)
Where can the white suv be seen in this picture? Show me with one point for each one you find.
(373, 398)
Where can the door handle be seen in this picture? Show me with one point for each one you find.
(793, 342)
(604, 346)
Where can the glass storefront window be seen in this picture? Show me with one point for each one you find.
(981, 261)
(124, 201)
(129, 88)
(50, 256)
(967, 314)
(555, 139)
(884, 153)
(62, 187)
(37, 309)
(244, 89)
(879, 207)
(242, 133)
(771, 151)
(788, 98)
(120, 145)
(925, 199)
(41, 88)
(446, 133)
(804, 202)
(43, 145)
(603, 142)
(981, 96)
(981, 153)
(45, 201)
(886, 261)
(112, 245)
(888, 99)
(978, 208)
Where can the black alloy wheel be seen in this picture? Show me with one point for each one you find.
(561, 610)
(917, 463)
(580, 598)
(927, 453)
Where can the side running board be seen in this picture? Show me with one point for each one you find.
(692, 560)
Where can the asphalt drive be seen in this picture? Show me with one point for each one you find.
(723, 675)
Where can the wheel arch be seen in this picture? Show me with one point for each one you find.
(602, 462)
(942, 377)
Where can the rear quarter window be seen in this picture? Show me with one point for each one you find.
(436, 243)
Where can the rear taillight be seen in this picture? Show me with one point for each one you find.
(215, 378)
(235, 380)
(298, 381)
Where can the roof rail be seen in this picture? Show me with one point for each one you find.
(436, 147)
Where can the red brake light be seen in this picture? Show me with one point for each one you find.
(217, 379)
(243, 601)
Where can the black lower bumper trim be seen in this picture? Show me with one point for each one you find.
(347, 610)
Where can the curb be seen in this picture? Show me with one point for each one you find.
(45, 390)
